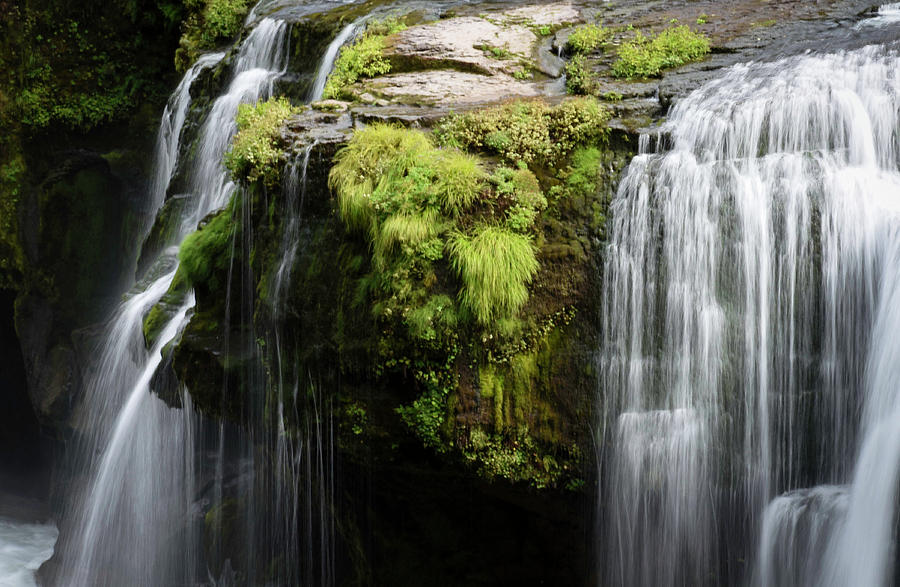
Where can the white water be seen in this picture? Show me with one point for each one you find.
(23, 548)
(751, 298)
(331, 55)
(132, 522)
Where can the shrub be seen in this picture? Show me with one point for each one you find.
(363, 58)
(208, 23)
(527, 131)
(256, 151)
(587, 39)
(579, 79)
(223, 19)
(495, 266)
(577, 122)
(647, 57)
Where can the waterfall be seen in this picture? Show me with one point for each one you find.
(132, 521)
(331, 55)
(749, 384)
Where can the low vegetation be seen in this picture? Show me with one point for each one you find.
(588, 38)
(580, 81)
(453, 222)
(648, 56)
(528, 132)
(363, 58)
(257, 151)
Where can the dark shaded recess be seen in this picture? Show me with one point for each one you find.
(418, 521)
(21, 456)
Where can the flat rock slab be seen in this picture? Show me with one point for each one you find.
(448, 87)
(460, 43)
(545, 14)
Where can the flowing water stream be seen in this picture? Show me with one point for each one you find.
(750, 372)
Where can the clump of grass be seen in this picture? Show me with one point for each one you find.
(256, 151)
(495, 265)
(527, 131)
(648, 57)
(404, 231)
(587, 39)
(364, 58)
(460, 182)
(364, 162)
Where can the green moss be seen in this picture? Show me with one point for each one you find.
(257, 151)
(160, 314)
(587, 39)
(364, 58)
(206, 253)
(647, 57)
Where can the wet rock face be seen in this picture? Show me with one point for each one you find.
(465, 43)
(78, 232)
(447, 87)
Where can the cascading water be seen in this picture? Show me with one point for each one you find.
(750, 295)
(131, 522)
(331, 55)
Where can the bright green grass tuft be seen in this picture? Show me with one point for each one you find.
(404, 231)
(647, 57)
(495, 266)
(460, 181)
(362, 165)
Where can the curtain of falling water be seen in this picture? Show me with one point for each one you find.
(129, 524)
(744, 353)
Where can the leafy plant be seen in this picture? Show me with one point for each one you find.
(256, 151)
(579, 79)
(527, 131)
(587, 39)
(647, 57)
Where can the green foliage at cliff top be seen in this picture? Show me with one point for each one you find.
(208, 24)
(80, 65)
(648, 56)
(363, 58)
(256, 152)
